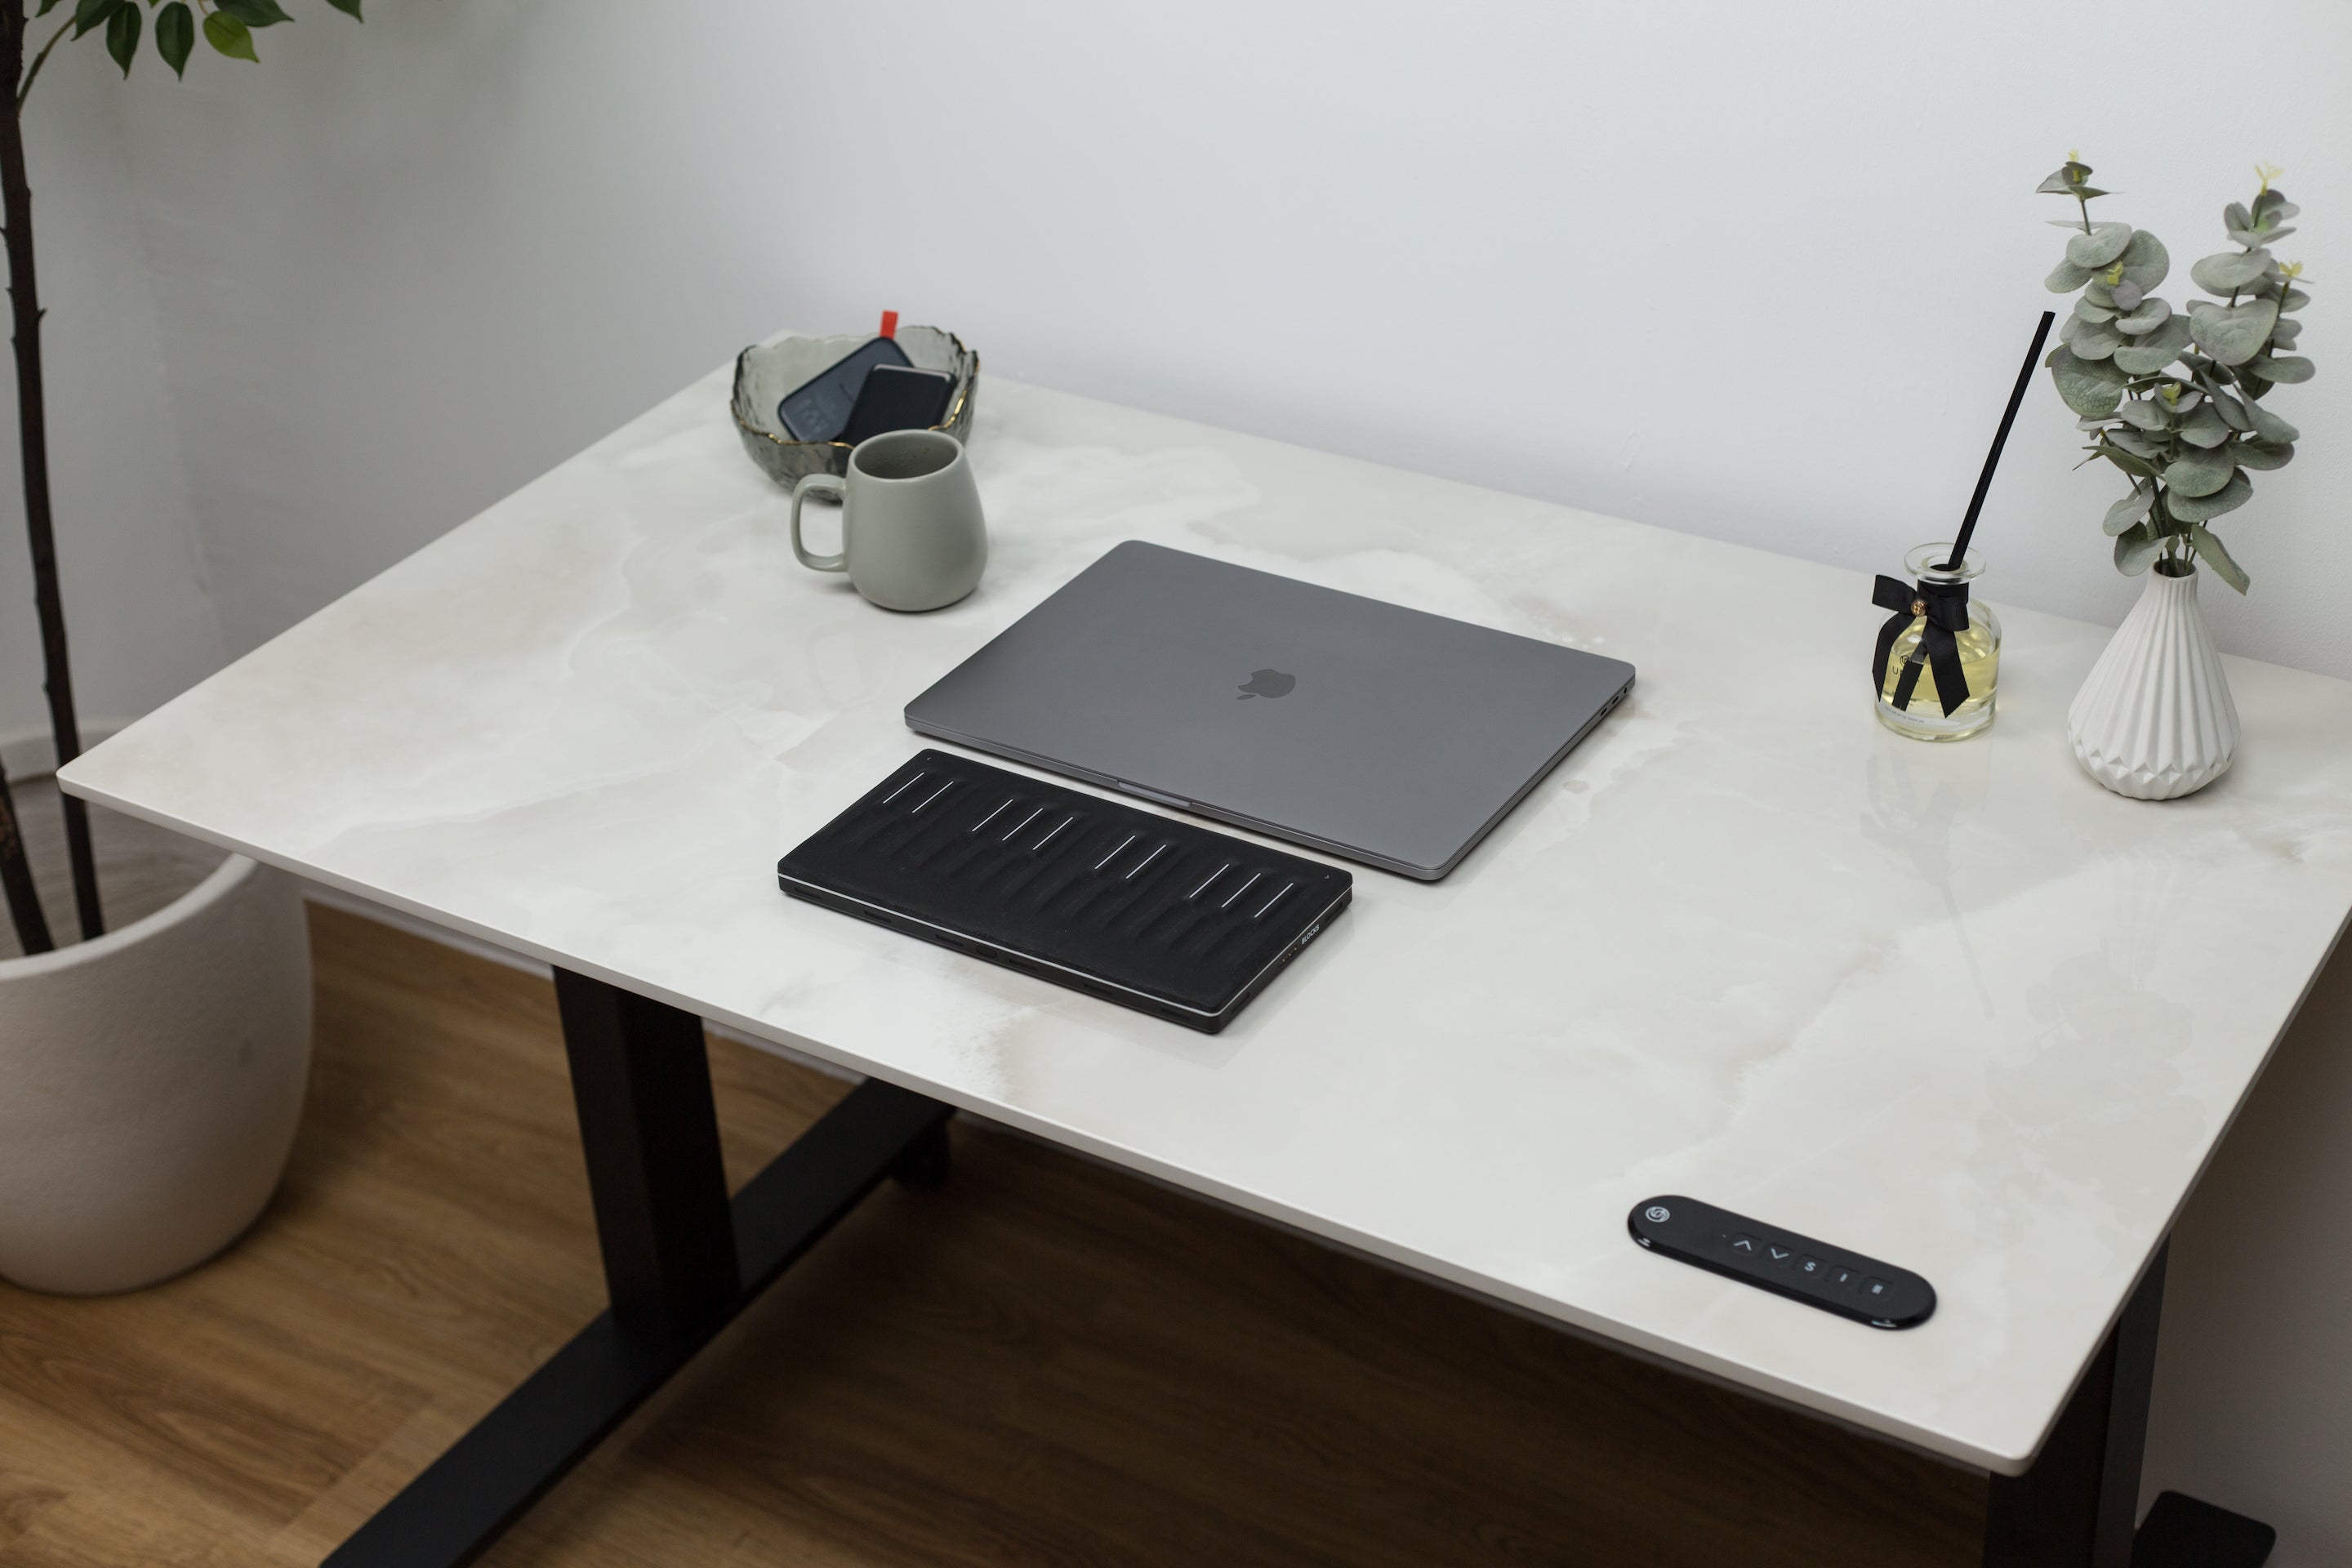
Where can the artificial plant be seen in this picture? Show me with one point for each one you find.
(2175, 399)
(228, 25)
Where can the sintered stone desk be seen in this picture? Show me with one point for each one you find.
(1951, 1006)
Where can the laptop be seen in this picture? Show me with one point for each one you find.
(1363, 729)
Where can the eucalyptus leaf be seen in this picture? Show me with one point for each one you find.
(2260, 454)
(2101, 245)
(2145, 413)
(2236, 216)
(2136, 550)
(2153, 350)
(2127, 294)
(2065, 278)
(2272, 203)
(2294, 300)
(2085, 310)
(2250, 237)
(2201, 472)
(2291, 368)
(2282, 336)
(2233, 334)
(2138, 468)
(2204, 428)
(2131, 509)
(2096, 340)
(2201, 540)
(2089, 386)
(2144, 260)
(2233, 412)
(2138, 443)
(2229, 272)
(2068, 179)
(2197, 509)
(2269, 426)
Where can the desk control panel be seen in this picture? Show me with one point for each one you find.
(1834, 1279)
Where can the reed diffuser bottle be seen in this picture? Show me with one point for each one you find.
(1939, 656)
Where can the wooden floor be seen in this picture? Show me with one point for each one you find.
(1041, 1363)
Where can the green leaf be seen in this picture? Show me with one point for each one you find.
(2100, 247)
(46, 7)
(2136, 549)
(2269, 426)
(2068, 180)
(2145, 413)
(89, 14)
(2151, 313)
(252, 13)
(2131, 509)
(2282, 336)
(2250, 237)
(2292, 369)
(228, 35)
(2260, 453)
(2065, 278)
(2144, 260)
(2152, 350)
(2233, 334)
(2233, 411)
(2197, 509)
(2294, 300)
(2138, 445)
(175, 36)
(2202, 472)
(2125, 295)
(2205, 427)
(2085, 310)
(2236, 215)
(349, 7)
(122, 35)
(2201, 540)
(2092, 340)
(2228, 271)
(2272, 203)
(2091, 387)
(2135, 466)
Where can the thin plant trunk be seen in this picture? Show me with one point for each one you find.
(33, 450)
(17, 876)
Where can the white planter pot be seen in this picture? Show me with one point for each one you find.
(150, 1081)
(2155, 719)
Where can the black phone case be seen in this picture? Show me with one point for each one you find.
(899, 398)
(819, 409)
(1160, 916)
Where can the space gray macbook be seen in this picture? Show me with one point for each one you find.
(1382, 734)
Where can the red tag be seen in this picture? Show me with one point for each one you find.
(889, 323)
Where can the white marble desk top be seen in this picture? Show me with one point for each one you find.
(1953, 1007)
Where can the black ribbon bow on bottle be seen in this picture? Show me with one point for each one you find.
(1946, 606)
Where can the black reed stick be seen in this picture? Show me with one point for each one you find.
(1992, 459)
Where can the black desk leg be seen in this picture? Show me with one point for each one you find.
(680, 1260)
(2075, 1508)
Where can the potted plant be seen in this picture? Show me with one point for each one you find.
(151, 1076)
(2174, 399)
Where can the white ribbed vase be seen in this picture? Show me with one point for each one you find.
(2155, 719)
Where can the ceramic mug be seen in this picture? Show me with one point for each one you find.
(911, 534)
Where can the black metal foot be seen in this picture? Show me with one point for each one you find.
(2181, 1532)
(680, 1260)
(925, 1163)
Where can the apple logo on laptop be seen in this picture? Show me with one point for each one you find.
(1267, 683)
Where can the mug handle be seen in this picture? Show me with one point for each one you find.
(826, 484)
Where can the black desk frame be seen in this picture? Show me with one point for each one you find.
(681, 1259)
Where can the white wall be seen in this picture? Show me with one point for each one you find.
(1760, 271)
(141, 625)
